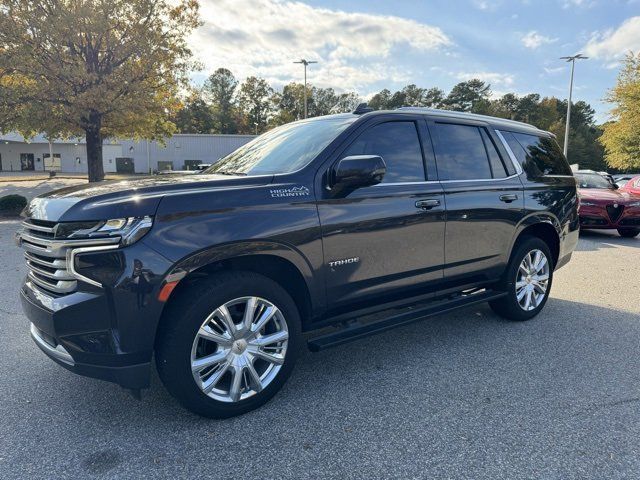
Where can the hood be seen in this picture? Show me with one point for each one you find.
(127, 198)
(604, 195)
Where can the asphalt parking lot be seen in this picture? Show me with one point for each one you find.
(463, 395)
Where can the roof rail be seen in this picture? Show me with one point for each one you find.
(453, 113)
(362, 108)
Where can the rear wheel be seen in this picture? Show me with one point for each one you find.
(629, 232)
(229, 345)
(527, 281)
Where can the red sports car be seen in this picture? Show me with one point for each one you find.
(632, 186)
(602, 205)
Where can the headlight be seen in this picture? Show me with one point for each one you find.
(115, 225)
(633, 204)
(588, 204)
(130, 229)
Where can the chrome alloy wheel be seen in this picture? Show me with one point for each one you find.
(532, 280)
(239, 349)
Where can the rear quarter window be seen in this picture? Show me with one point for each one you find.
(538, 155)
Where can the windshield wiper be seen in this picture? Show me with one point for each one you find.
(225, 172)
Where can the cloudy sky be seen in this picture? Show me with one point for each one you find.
(367, 45)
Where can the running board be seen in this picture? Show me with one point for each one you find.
(351, 333)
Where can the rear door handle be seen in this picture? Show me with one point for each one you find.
(427, 204)
(508, 198)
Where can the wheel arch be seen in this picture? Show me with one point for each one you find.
(279, 262)
(545, 227)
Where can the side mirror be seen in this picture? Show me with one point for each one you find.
(357, 171)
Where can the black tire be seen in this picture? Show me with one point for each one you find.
(185, 315)
(628, 232)
(508, 306)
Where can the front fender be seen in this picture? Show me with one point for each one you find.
(232, 250)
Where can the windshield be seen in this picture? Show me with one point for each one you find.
(284, 149)
(592, 180)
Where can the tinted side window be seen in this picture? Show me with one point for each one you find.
(460, 153)
(399, 146)
(539, 156)
(497, 167)
(516, 148)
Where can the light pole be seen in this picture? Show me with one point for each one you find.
(305, 63)
(571, 59)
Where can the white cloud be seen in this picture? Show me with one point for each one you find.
(577, 3)
(614, 44)
(264, 37)
(533, 39)
(486, 4)
(481, 4)
(554, 70)
(495, 79)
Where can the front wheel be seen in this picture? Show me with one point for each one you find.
(628, 232)
(527, 281)
(228, 345)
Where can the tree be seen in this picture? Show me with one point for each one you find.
(290, 103)
(255, 104)
(505, 106)
(410, 96)
(324, 99)
(433, 98)
(470, 96)
(346, 102)
(195, 116)
(528, 110)
(381, 100)
(98, 68)
(220, 89)
(621, 137)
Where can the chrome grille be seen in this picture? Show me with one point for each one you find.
(48, 257)
(50, 273)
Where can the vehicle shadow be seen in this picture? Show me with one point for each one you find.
(428, 355)
(593, 240)
(465, 381)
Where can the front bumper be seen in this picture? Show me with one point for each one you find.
(597, 217)
(77, 351)
(49, 346)
(106, 333)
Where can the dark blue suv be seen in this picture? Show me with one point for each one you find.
(343, 226)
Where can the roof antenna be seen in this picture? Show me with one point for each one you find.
(362, 108)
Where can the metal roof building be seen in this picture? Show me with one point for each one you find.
(69, 156)
(181, 151)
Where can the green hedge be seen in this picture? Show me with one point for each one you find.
(12, 204)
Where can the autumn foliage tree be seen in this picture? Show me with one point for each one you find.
(621, 137)
(96, 68)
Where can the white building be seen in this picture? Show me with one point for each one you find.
(69, 156)
(179, 152)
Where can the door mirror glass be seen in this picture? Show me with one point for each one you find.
(357, 171)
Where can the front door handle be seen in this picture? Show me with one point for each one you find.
(427, 204)
(508, 198)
